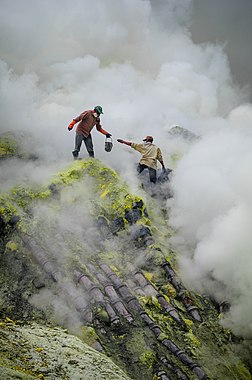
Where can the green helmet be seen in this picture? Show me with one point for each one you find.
(98, 109)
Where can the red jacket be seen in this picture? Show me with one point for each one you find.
(87, 120)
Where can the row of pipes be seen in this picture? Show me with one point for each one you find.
(133, 302)
(181, 291)
(117, 301)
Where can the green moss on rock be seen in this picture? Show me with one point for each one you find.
(131, 347)
(12, 144)
(8, 145)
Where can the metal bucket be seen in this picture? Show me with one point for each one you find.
(108, 144)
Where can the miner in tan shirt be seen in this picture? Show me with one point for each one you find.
(150, 155)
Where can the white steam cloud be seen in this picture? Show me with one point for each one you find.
(212, 211)
(136, 58)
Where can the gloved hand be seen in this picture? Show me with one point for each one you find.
(71, 125)
(120, 141)
(108, 135)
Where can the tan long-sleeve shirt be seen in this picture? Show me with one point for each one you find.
(150, 154)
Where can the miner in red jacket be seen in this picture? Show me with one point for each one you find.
(86, 122)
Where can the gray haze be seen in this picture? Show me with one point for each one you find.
(145, 63)
(227, 22)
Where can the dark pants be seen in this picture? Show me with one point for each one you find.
(88, 143)
(152, 172)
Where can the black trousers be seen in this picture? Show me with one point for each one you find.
(152, 172)
(87, 141)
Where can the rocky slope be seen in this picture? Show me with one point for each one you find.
(87, 274)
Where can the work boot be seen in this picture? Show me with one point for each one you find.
(75, 154)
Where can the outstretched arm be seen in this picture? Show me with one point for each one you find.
(124, 142)
(101, 130)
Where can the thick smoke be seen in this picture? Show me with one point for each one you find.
(212, 211)
(137, 59)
